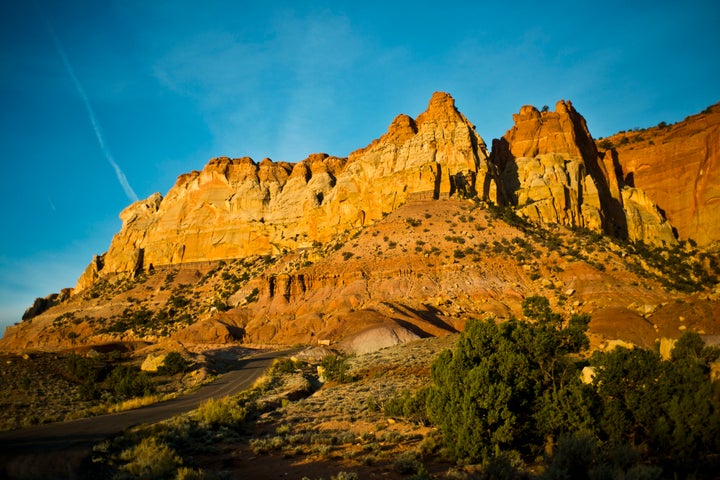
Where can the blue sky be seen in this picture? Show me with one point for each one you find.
(104, 100)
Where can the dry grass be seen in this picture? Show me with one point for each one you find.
(134, 403)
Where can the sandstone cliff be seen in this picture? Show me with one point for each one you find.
(678, 166)
(549, 168)
(236, 207)
(424, 269)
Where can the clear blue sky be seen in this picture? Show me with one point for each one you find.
(104, 100)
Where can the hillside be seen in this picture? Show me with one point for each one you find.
(408, 237)
(422, 270)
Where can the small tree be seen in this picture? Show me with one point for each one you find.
(510, 385)
(668, 408)
(336, 368)
(173, 363)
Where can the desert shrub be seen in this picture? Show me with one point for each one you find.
(127, 382)
(345, 476)
(573, 458)
(150, 460)
(407, 462)
(252, 296)
(284, 365)
(337, 368)
(223, 411)
(90, 391)
(178, 301)
(80, 369)
(668, 408)
(580, 457)
(510, 386)
(221, 305)
(606, 144)
(412, 407)
(185, 473)
(87, 372)
(174, 363)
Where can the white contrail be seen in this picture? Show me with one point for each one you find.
(95, 124)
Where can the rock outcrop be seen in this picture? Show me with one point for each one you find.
(549, 168)
(237, 208)
(678, 166)
(42, 304)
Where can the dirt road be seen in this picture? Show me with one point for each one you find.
(22, 451)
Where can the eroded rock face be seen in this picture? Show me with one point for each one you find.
(548, 167)
(237, 208)
(678, 166)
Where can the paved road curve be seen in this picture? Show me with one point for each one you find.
(87, 431)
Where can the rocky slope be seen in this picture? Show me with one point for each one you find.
(399, 240)
(679, 167)
(423, 270)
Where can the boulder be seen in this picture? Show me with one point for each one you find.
(377, 338)
(153, 362)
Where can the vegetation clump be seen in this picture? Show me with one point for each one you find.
(173, 363)
(510, 385)
(337, 369)
(513, 390)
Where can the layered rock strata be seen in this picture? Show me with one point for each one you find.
(547, 165)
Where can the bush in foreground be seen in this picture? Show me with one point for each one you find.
(150, 459)
(513, 390)
(510, 386)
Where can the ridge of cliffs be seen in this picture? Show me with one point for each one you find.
(679, 167)
(547, 166)
(334, 249)
(422, 270)
(236, 208)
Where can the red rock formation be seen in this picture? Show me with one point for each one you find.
(678, 166)
(548, 166)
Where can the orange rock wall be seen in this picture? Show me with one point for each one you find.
(679, 168)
